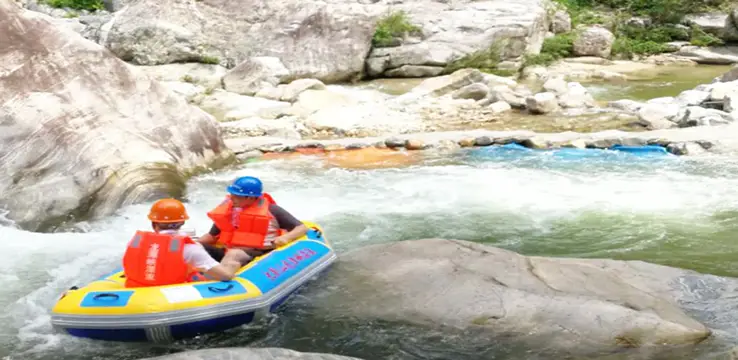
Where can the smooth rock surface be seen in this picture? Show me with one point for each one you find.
(84, 132)
(328, 41)
(582, 306)
(453, 30)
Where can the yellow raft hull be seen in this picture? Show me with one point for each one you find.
(106, 310)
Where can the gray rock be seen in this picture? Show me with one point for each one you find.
(327, 41)
(578, 306)
(594, 41)
(723, 55)
(561, 22)
(626, 105)
(77, 118)
(692, 97)
(499, 107)
(293, 90)
(476, 91)
(542, 103)
(255, 74)
(249, 354)
(517, 27)
(699, 116)
(658, 116)
(414, 71)
(717, 23)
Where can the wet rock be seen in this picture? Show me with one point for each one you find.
(394, 142)
(471, 142)
(248, 354)
(476, 91)
(685, 148)
(578, 306)
(542, 103)
(483, 141)
(77, 118)
(594, 41)
(414, 144)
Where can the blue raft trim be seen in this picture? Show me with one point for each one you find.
(110, 298)
(634, 149)
(125, 335)
(283, 264)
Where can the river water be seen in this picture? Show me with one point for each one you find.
(674, 211)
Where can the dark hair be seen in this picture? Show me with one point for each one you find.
(168, 226)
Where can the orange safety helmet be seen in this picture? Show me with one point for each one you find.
(168, 211)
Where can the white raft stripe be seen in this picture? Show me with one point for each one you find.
(181, 294)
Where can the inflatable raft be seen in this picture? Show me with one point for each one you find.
(106, 310)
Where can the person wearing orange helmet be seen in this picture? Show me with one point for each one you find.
(251, 220)
(167, 256)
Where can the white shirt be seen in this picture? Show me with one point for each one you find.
(195, 255)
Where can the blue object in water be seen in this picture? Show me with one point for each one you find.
(653, 149)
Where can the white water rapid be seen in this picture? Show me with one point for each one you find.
(681, 212)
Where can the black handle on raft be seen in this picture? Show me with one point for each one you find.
(106, 296)
(217, 289)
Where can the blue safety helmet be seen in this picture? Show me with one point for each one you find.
(246, 186)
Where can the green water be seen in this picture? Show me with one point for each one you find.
(662, 81)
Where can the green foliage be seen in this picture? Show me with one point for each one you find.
(554, 48)
(393, 25)
(485, 60)
(210, 60)
(91, 5)
(660, 11)
(701, 38)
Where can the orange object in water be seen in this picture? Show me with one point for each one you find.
(371, 158)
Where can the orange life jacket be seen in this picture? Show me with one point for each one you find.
(253, 223)
(154, 259)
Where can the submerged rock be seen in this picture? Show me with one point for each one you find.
(582, 306)
(83, 132)
(248, 354)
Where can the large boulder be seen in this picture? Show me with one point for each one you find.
(313, 39)
(249, 354)
(451, 30)
(583, 306)
(84, 132)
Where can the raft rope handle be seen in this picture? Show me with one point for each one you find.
(106, 297)
(217, 289)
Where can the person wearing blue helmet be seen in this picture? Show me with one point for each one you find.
(249, 219)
